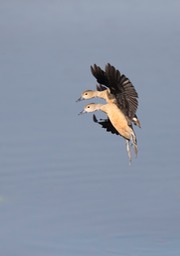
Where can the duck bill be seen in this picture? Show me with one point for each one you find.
(82, 112)
(81, 98)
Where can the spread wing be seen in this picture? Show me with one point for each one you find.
(99, 74)
(120, 86)
(106, 123)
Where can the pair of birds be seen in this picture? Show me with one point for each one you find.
(121, 104)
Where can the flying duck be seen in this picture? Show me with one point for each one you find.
(117, 122)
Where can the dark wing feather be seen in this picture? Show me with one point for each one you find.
(106, 123)
(99, 74)
(123, 90)
(100, 87)
(120, 86)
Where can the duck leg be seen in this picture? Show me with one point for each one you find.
(129, 151)
(134, 142)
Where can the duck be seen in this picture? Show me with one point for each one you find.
(116, 123)
(114, 87)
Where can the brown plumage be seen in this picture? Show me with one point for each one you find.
(116, 123)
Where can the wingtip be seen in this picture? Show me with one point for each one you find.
(93, 68)
(95, 119)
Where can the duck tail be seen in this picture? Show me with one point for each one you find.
(129, 151)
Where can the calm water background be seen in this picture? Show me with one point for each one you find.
(65, 184)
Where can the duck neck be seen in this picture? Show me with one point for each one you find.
(101, 107)
(102, 94)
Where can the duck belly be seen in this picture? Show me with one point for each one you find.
(120, 122)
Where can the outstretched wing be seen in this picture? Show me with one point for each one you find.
(120, 86)
(106, 123)
(99, 74)
(123, 90)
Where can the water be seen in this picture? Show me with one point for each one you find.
(66, 187)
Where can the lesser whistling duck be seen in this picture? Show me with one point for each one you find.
(117, 123)
(118, 88)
